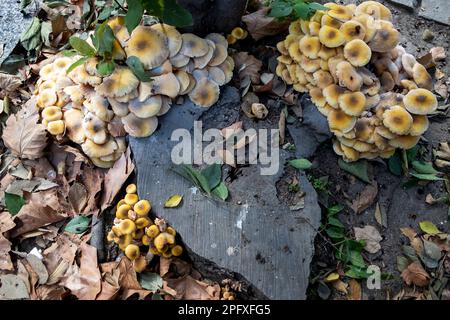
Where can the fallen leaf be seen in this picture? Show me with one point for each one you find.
(260, 25)
(354, 290)
(340, 286)
(84, 281)
(247, 65)
(231, 130)
(38, 266)
(174, 201)
(410, 233)
(371, 237)
(6, 222)
(9, 82)
(333, 276)
(115, 178)
(188, 288)
(110, 281)
(282, 126)
(52, 292)
(5, 258)
(380, 217)
(438, 53)
(92, 179)
(415, 274)
(150, 281)
(23, 136)
(429, 228)
(58, 257)
(365, 199)
(78, 197)
(12, 288)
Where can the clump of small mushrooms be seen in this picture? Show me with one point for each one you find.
(97, 112)
(137, 235)
(375, 96)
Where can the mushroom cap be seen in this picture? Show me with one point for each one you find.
(374, 8)
(166, 84)
(75, 94)
(121, 82)
(385, 132)
(52, 113)
(397, 120)
(404, 142)
(421, 77)
(98, 105)
(325, 110)
(331, 37)
(138, 127)
(179, 60)
(193, 46)
(94, 128)
(217, 38)
(408, 84)
(47, 98)
(282, 48)
(326, 53)
(353, 30)
(202, 62)
(352, 103)
(79, 75)
(94, 150)
(166, 67)
(184, 80)
(102, 163)
(332, 94)
(419, 126)
(290, 39)
(217, 75)
(327, 20)
(231, 39)
(314, 28)
(339, 12)
(295, 28)
(348, 76)
(132, 251)
(117, 25)
(48, 72)
(49, 84)
(304, 25)
(350, 154)
(309, 65)
(56, 127)
(119, 108)
(219, 55)
(61, 64)
(310, 46)
(147, 108)
(174, 39)
(205, 93)
(363, 129)
(285, 59)
(149, 45)
(385, 39)
(357, 52)
(317, 97)
(339, 120)
(408, 62)
(386, 154)
(294, 52)
(322, 78)
(73, 119)
(387, 82)
(337, 148)
(238, 33)
(332, 65)
(420, 101)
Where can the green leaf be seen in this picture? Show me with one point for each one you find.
(280, 9)
(317, 6)
(221, 191)
(358, 169)
(395, 164)
(213, 175)
(429, 228)
(103, 40)
(24, 4)
(427, 177)
(411, 154)
(335, 222)
(134, 14)
(150, 281)
(138, 69)
(356, 273)
(78, 224)
(81, 46)
(402, 263)
(157, 297)
(77, 63)
(105, 13)
(335, 233)
(69, 53)
(333, 210)
(302, 10)
(424, 167)
(356, 259)
(301, 164)
(32, 30)
(105, 68)
(46, 30)
(13, 203)
(176, 15)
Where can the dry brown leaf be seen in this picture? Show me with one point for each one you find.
(260, 25)
(128, 278)
(438, 53)
(282, 126)
(410, 233)
(164, 266)
(9, 82)
(247, 65)
(231, 130)
(58, 257)
(415, 274)
(115, 178)
(379, 216)
(188, 288)
(78, 197)
(110, 281)
(354, 290)
(23, 135)
(365, 199)
(84, 281)
(42, 209)
(340, 286)
(6, 222)
(92, 179)
(5, 259)
(52, 292)
(371, 237)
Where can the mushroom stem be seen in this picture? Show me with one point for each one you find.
(405, 165)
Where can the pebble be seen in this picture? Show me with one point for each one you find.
(427, 35)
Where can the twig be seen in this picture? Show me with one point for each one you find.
(121, 7)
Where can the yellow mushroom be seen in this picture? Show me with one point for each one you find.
(132, 251)
(331, 37)
(352, 103)
(357, 52)
(420, 101)
(397, 120)
(339, 120)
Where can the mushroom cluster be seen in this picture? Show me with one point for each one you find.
(375, 96)
(98, 111)
(133, 230)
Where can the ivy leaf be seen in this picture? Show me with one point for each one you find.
(77, 63)
(302, 10)
(280, 10)
(356, 273)
(317, 6)
(81, 46)
(335, 222)
(332, 211)
(213, 175)
(105, 68)
(13, 203)
(78, 225)
(301, 164)
(138, 69)
(358, 169)
(150, 281)
(221, 191)
(335, 233)
(46, 30)
(134, 14)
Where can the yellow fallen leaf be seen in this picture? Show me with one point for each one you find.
(355, 290)
(332, 277)
(173, 201)
(429, 227)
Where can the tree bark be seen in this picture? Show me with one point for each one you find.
(214, 15)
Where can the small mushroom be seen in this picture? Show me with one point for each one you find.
(217, 38)
(193, 46)
(332, 94)
(357, 52)
(147, 108)
(239, 33)
(317, 97)
(121, 82)
(420, 101)
(56, 127)
(138, 127)
(404, 142)
(174, 38)
(73, 119)
(309, 65)
(202, 62)
(421, 77)
(179, 60)
(352, 103)
(374, 8)
(94, 150)
(310, 46)
(348, 76)
(132, 252)
(408, 62)
(353, 30)
(327, 20)
(94, 128)
(142, 208)
(331, 37)
(338, 12)
(117, 24)
(149, 45)
(47, 98)
(98, 105)
(205, 93)
(397, 120)
(120, 109)
(166, 84)
(419, 126)
(52, 113)
(326, 53)
(385, 39)
(339, 120)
